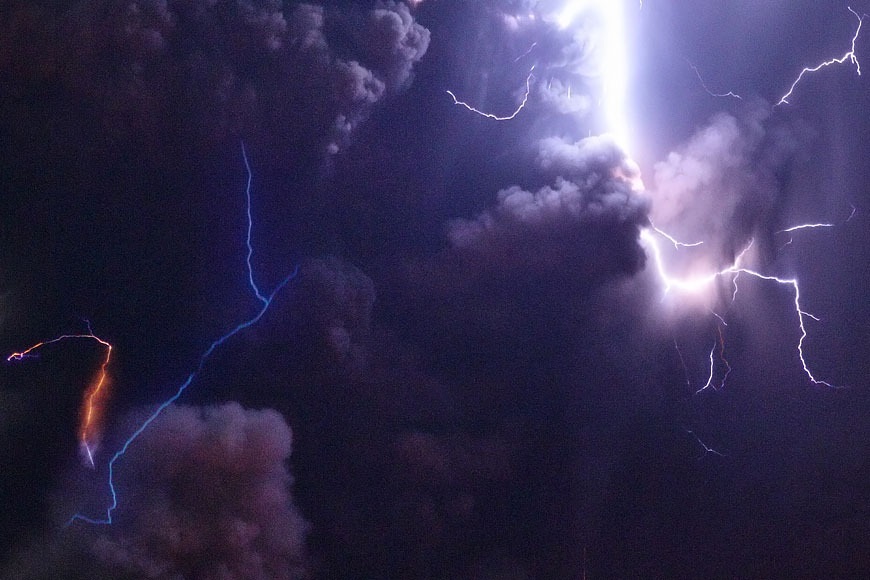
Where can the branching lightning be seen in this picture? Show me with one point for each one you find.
(265, 303)
(848, 56)
(804, 227)
(93, 403)
(493, 116)
(699, 283)
(611, 54)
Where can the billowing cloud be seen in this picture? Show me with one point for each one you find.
(207, 495)
(291, 72)
(721, 186)
(204, 493)
(589, 215)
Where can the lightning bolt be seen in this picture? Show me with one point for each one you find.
(265, 302)
(677, 244)
(721, 344)
(804, 227)
(611, 52)
(707, 448)
(613, 60)
(516, 112)
(95, 396)
(709, 92)
(698, 283)
(848, 56)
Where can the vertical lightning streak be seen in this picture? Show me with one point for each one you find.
(710, 376)
(850, 56)
(722, 357)
(613, 60)
(266, 302)
(683, 363)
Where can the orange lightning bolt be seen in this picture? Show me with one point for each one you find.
(93, 403)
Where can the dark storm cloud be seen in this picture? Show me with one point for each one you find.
(219, 68)
(204, 493)
(336, 300)
(589, 215)
(497, 405)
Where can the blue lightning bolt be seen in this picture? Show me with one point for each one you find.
(848, 56)
(614, 67)
(265, 303)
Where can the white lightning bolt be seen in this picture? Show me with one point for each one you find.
(613, 62)
(709, 92)
(496, 117)
(707, 449)
(699, 283)
(804, 227)
(677, 244)
(850, 56)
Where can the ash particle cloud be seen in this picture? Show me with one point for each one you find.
(474, 373)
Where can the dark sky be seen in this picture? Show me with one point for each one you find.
(476, 372)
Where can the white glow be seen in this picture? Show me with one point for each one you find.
(613, 59)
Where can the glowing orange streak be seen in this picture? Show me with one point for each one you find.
(94, 397)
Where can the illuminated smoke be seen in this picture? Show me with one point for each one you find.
(207, 495)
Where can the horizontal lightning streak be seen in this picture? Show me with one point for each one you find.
(266, 302)
(804, 227)
(677, 244)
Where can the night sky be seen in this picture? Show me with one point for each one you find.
(476, 371)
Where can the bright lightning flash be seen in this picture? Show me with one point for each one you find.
(93, 403)
(611, 55)
(265, 302)
(694, 285)
(612, 58)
